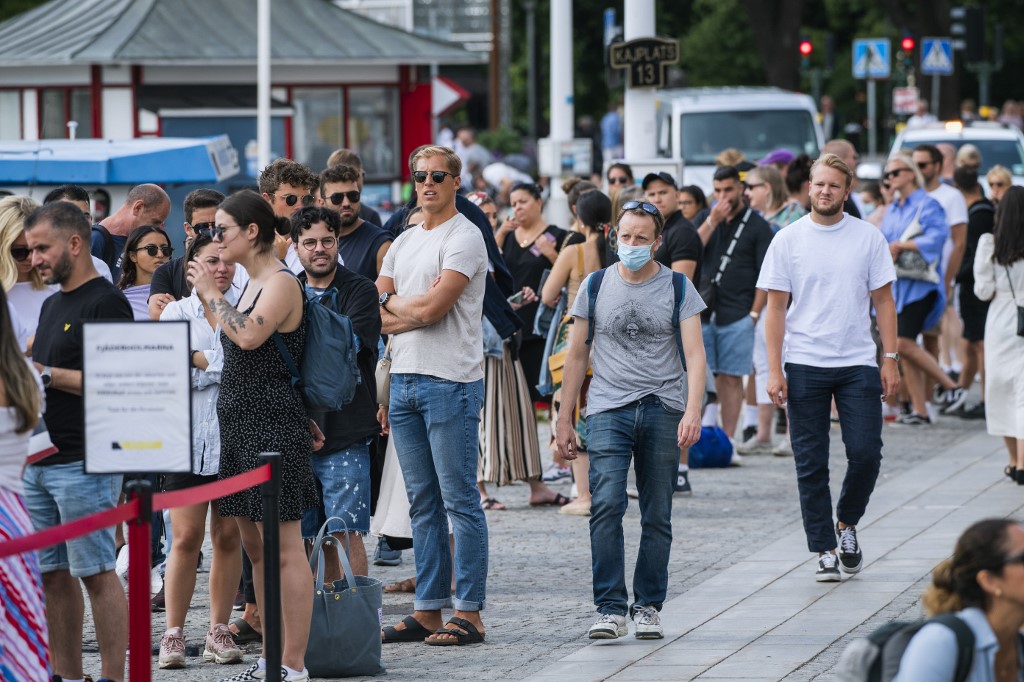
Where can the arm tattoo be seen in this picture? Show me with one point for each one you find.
(229, 315)
(259, 320)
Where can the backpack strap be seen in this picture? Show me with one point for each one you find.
(593, 288)
(679, 290)
(289, 361)
(964, 643)
(108, 244)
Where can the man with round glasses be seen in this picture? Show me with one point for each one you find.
(362, 244)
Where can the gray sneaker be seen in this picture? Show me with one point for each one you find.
(647, 623)
(608, 626)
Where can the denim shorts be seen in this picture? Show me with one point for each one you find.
(344, 478)
(59, 493)
(730, 348)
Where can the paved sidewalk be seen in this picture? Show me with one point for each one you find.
(743, 601)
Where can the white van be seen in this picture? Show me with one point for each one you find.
(696, 124)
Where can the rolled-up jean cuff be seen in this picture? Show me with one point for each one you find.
(431, 604)
(462, 605)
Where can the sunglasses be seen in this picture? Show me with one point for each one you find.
(205, 229)
(292, 199)
(924, 164)
(997, 185)
(643, 205)
(436, 176)
(337, 197)
(327, 242)
(756, 184)
(1017, 558)
(894, 173)
(621, 180)
(152, 249)
(20, 253)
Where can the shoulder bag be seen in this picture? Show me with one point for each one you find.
(383, 375)
(1018, 306)
(911, 264)
(709, 289)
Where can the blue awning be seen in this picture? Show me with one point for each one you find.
(117, 162)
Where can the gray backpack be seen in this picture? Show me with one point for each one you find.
(876, 658)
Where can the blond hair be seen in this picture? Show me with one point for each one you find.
(833, 161)
(13, 211)
(907, 160)
(729, 157)
(1001, 173)
(426, 151)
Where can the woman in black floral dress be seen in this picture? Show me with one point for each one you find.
(258, 409)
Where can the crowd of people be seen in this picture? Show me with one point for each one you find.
(657, 309)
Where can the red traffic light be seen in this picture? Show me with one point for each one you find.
(806, 48)
(907, 44)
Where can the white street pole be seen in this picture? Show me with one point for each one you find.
(562, 109)
(639, 129)
(263, 83)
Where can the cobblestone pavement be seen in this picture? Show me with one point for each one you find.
(539, 601)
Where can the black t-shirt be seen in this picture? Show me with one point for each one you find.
(980, 220)
(680, 241)
(357, 299)
(359, 249)
(369, 215)
(739, 283)
(59, 344)
(850, 207)
(169, 278)
(528, 265)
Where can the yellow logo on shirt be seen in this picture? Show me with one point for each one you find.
(67, 326)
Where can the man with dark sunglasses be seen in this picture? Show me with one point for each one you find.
(347, 157)
(287, 186)
(168, 283)
(362, 245)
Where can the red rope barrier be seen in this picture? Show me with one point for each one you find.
(128, 510)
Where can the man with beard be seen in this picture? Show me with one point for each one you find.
(344, 467)
(57, 489)
(362, 244)
(835, 267)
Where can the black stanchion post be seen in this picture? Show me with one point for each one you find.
(271, 615)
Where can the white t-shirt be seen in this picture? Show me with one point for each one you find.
(831, 272)
(451, 348)
(955, 206)
(14, 447)
(28, 301)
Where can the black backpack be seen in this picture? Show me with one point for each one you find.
(109, 257)
(876, 658)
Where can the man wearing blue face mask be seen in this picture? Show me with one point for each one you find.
(642, 322)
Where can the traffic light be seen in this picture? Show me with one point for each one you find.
(806, 48)
(974, 30)
(907, 44)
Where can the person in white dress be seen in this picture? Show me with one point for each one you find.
(999, 277)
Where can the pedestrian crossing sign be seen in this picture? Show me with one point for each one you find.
(872, 58)
(937, 57)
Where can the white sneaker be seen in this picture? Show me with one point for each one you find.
(608, 626)
(647, 623)
(632, 492)
(783, 449)
(753, 446)
(172, 650)
(736, 460)
(294, 677)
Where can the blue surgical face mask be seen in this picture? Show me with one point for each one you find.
(635, 257)
(869, 207)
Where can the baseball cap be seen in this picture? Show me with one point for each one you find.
(780, 155)
(662, 176)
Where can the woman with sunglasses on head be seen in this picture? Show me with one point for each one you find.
(260, 411)
(916, 223)
(188, 523)
(148, 247)
(999, 278)
(982, 584)
(23, 637)
(530, 246)
(25, 289)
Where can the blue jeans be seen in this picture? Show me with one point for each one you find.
(645, 430)
(857, 391)
(435, 424)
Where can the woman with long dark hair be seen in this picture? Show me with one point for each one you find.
(23, 637)
(148, 247)
(999, 278)
(575, 262)
(259, 410)
(983, 585)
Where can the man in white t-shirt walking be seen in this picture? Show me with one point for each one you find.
(835, 267)
(431, 288)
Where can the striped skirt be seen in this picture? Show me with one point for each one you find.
(23, 637)
(509, 450)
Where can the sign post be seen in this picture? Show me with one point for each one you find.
(872, 60)
(936, 61)
(645, 59)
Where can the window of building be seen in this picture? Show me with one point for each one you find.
(318, 124)
(373, 130)
(57, 106)
(10, 115)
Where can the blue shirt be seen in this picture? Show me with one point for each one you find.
(931, 654)
(933, 221)
(611, 130)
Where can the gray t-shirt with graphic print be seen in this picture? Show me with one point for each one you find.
(634, 352)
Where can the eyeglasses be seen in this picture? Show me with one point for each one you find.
(337, 197)
(205, 229)
(620, 180)
(997, 185)
(152, 249)
(436, 176)
(1017, 558)
(643, 205)
(893, 173)
(20, 253)
(292, 199)
(326, 242)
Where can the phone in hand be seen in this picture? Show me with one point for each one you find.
(516, 298)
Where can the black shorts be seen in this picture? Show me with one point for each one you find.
(973, 312)
(182, 481)
(910, 322)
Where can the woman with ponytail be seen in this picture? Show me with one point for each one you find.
(983, 584)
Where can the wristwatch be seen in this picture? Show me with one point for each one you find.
(892, 356)
(755, 315)
(384, 300)
(47, 376)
